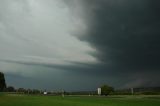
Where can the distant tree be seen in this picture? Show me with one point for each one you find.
(10, 89)
(36, 91)
(21, 90)
(106, 90)
(2, 82)
(28, 91)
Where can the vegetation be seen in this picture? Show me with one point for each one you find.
(22, 96)
(106, 90)
(10, 89)
(2, 82)
(20, 100)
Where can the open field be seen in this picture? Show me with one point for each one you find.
(24, 100)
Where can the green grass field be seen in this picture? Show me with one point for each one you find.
(24, 100)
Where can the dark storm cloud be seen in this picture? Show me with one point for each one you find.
(124, 36)
(126, 33)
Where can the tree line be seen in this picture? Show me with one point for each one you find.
(5, 88)
(106, 90)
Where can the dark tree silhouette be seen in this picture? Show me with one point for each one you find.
(2, 82)
(10, 89)
(106, 90)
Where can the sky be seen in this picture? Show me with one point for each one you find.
(80, 44)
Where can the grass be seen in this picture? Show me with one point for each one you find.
(24, 100)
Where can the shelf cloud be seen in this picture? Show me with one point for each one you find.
(80, 44)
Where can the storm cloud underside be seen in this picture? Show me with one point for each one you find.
(80, 44)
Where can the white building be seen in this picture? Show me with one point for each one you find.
(99, 91)
(45, 93)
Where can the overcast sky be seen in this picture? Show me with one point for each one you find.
(80, 44)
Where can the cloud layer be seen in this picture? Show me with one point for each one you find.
(80, 44)
(126, 36)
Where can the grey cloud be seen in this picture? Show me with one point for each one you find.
(104, 41)
(126, 35)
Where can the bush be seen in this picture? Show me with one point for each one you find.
(106, 90)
